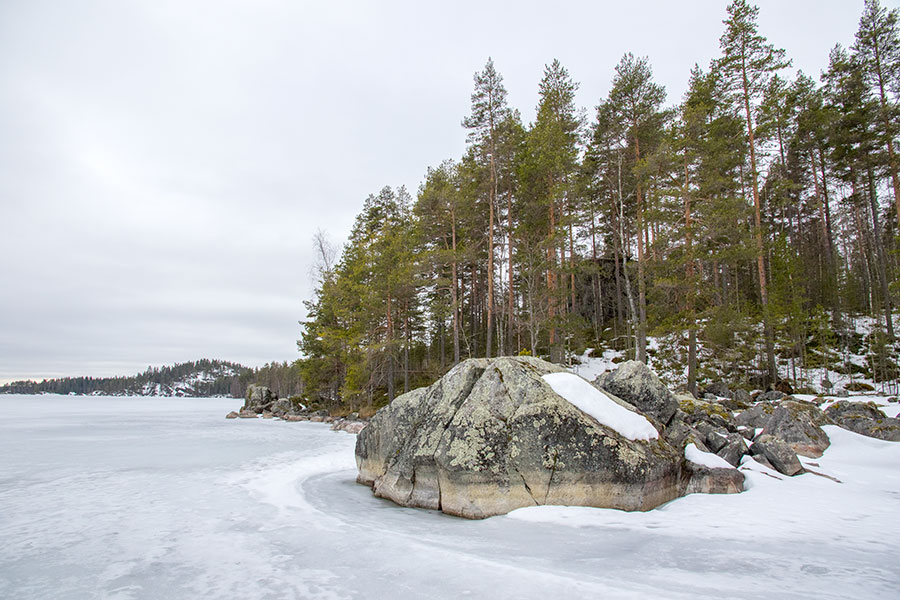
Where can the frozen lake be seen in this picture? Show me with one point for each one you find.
(164, 498)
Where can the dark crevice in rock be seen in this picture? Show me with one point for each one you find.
(528, 489)
(552, 473)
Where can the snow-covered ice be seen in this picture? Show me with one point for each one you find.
(163, 498)
(604, 409)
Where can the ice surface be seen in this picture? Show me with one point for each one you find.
(705, 459)
(150, 498)
(592, 401)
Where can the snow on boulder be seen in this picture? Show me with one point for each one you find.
(599, 405)
(705, 459)
(711, 474)
(637, 385)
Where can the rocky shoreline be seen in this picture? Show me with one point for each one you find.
(262, 402)
(494, 435)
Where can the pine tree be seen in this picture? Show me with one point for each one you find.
(637, 102)
(547, 169)
(747, 65)
(878, 54)
(488, 111)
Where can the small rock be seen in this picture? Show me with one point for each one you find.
(247, 414)
(734, 449)
(754, 417)
(718, 389)
(716, 440)
(706, 480)
(742, 396)
(231, 415)
(771, 396)
(782, 458)
(353, 426)
(784, 386)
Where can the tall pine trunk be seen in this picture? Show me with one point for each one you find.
(642, 285)
(882, 264)
(509, 218)
(454, 290)
(772, 373)
(689, 273)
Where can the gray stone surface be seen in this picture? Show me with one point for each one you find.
(636, 384)
(756, 416)
(704, 480)
(864, 418)
(258, 399)
(799, 425)
(718, 389)
(782, 458)
(492, 436)
(734, 449)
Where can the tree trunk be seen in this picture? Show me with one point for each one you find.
(551, 277)
(454, 291)
(760, 253)
(892, 161)
(879, 252)
(509, 218)
(642, 286)
(689, 272)
(861, 244)
(490, 274)
(406, 343)
(390, 350)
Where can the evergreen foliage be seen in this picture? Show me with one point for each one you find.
(198, 378)
(753, 219)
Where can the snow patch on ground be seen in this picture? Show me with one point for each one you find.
(592, 367)
(597, 404)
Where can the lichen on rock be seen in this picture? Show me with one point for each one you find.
(492, 436)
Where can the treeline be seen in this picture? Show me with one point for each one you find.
(751, 218)
(201, 378)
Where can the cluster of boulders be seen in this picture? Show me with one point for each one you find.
(261, 401)
(492, 435)
(778, 427)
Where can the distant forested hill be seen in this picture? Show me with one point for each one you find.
(196, 378)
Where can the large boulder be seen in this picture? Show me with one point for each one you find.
(636, 384)
(864, 418)
(258, 399)
(492, 436)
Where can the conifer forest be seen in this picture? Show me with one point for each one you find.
(739, 233)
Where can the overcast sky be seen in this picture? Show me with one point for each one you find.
(165, 164)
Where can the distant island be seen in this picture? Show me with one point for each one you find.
(200, 378)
